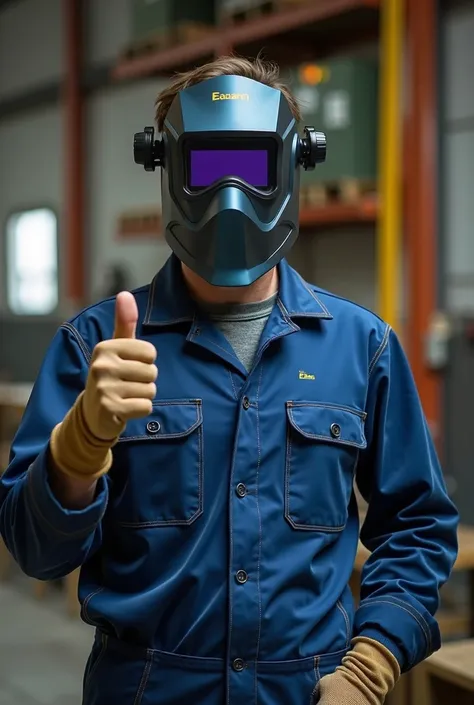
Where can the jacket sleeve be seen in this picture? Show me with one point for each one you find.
(47, 540)
(411, 524)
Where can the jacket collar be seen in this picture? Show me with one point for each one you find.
(298, 298)
(170, 303)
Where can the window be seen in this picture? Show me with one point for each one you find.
(32, 262)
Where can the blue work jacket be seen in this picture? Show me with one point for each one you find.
(217, 554)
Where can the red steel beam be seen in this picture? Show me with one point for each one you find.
(221, 39)
(298, 15)
(364, 212)
(74, 154)
(421, 191)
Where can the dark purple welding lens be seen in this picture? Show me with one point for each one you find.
(210, 165)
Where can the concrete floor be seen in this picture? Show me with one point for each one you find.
(42, 651)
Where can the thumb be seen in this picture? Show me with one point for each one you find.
(126, 315)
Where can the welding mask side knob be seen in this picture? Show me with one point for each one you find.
(147, 151)
(312, 148)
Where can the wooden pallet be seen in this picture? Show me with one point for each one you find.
(446, 676)
(348, 191)
(143, 223)
(183, 33)
(251, 10)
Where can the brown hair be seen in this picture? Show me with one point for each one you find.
(257, 69)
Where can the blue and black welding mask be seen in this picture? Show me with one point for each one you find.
(230, 156)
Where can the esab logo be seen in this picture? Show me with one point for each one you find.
(230, 96)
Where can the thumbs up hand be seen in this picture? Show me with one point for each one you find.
(122, 375)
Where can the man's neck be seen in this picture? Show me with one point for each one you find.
(262, 289)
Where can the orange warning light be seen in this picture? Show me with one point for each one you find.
(312, 74)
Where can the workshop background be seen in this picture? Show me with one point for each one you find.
(387, 222)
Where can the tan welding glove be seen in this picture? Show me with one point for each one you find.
(368, 673)
(120, 386)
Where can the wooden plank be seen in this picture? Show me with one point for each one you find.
(454, 663)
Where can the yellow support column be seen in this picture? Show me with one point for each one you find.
(389, 237)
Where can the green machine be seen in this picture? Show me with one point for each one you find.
(150, 17)
(340, 98)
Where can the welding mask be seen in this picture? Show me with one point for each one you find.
(230, 156)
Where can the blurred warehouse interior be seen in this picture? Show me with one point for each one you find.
(77, 81)
(387, 221)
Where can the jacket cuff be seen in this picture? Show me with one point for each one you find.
(55, 519)
(409, 632)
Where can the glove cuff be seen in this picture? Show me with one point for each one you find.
(75, 450)
(367, 674)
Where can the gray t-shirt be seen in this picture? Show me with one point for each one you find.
(242, 325)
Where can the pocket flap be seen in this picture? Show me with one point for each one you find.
(169, 419)
(328, 422)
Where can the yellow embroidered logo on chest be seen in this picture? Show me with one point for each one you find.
(305, 375)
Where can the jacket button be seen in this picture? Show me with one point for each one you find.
(238, 664)
(153, 426)
(335, 430)
(241, 490)
(246, 403)
(241, 577)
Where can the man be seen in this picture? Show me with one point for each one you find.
(212, 510)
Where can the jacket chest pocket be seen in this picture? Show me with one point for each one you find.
(322, 446)
(157, 473)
